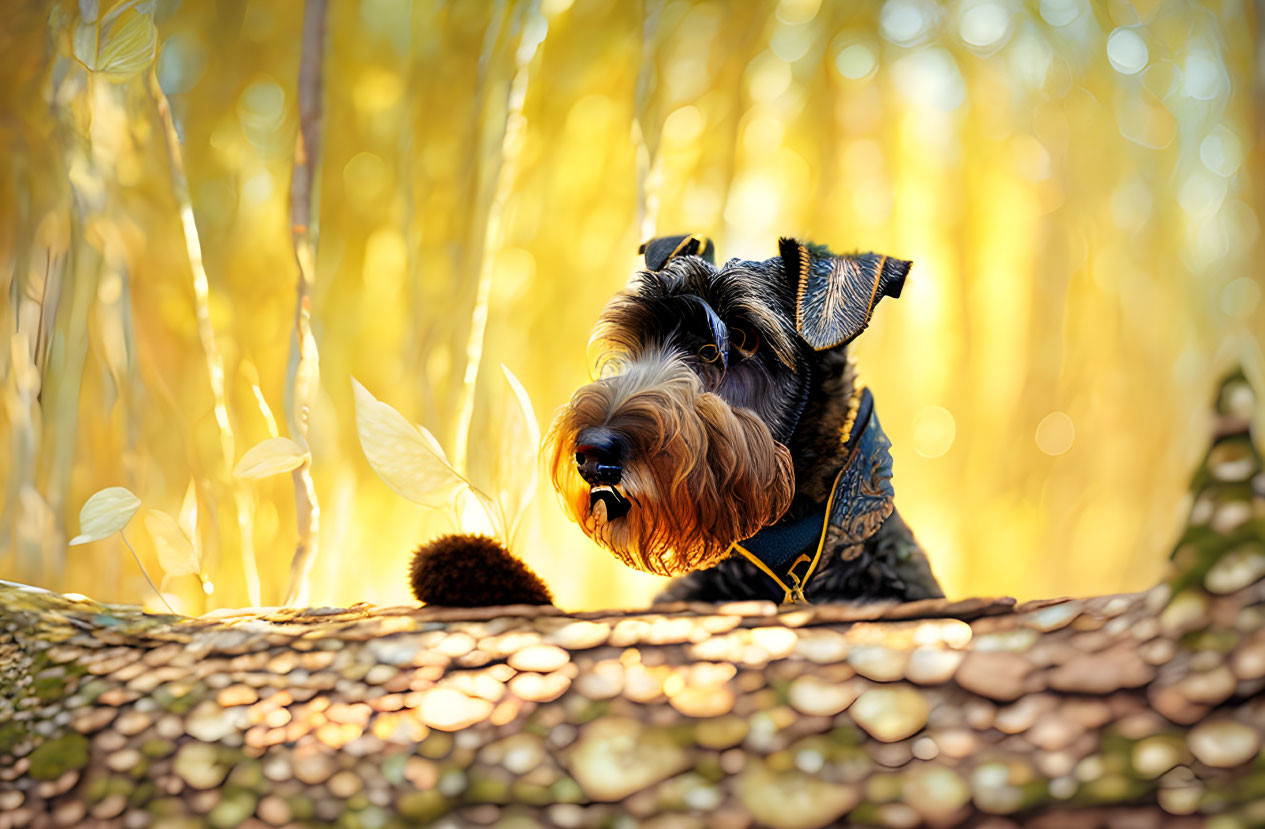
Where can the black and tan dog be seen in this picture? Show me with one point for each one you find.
(727, 441)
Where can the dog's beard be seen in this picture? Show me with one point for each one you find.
(701, 475)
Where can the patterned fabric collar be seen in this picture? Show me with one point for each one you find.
(860, 501)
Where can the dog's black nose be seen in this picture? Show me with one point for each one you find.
(598, 456)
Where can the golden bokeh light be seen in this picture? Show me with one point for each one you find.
(1055, 433)
(934, 430)
(1077, 184)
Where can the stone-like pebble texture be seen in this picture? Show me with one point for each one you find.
(1067, 712)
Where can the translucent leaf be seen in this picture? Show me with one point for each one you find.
(189, 518)
(271, 457)
(121, 44)
(520, 450)
(175, 551)
(406, 457)
(476, 513)
(85, 44)
(130, 46)
(105, 513)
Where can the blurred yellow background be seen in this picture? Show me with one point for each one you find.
(1077, 184)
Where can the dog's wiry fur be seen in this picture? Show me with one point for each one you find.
(721, 418)
(707, 454)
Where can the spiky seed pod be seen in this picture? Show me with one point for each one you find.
(473, 571)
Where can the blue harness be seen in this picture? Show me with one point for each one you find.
(860, 501)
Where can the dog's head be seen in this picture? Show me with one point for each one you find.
(679, 448)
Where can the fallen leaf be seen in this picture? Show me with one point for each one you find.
(105, 513)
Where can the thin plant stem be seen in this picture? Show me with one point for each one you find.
(206, 333)
(649, 173)
(303, 373)
(161, 597)
(534, 32)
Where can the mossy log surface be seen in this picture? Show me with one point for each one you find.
(1068, 712)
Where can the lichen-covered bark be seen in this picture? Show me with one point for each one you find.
(1068, 711)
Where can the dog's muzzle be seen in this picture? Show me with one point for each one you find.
(598, 457)
(617, 506)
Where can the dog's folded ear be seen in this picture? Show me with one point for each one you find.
(662, 248)
(835, 295)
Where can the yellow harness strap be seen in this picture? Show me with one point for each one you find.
(795, 591)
